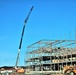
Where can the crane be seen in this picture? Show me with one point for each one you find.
(19, 49)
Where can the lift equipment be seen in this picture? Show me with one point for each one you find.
(19, 49)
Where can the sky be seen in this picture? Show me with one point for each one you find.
(50, 19)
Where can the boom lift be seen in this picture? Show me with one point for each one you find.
(19, 49)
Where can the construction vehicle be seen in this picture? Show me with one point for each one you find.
(21, 70)
(69, 70)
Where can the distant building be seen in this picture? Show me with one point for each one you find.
(6, 70)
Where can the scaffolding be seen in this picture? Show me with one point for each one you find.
(50, 55)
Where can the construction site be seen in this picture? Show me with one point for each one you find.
(46, 57)
(53, 57)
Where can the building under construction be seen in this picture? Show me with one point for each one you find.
(51, 56)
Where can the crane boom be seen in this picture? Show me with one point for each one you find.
(22, 36)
